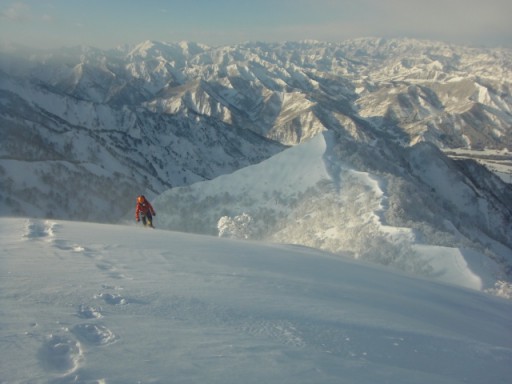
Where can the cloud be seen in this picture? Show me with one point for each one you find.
(47, 18)
(458, 20)
(461, 21)
(20, 12)
(17, 11)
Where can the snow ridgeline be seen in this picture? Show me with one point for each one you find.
(91, 303)
(306, 195)
(449, 264)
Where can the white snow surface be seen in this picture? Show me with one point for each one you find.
(96, 303)
(291, 187)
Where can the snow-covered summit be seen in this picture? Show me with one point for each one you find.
(151, 49)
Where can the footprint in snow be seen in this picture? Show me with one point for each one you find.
(67, 246)
(110, 270)
(94, 334)
(36, 229)
(45, 230)
(112, 299)
(86, 312)
(61, 354)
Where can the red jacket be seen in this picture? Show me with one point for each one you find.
(143, 208)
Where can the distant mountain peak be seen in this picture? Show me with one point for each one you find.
(94, 128)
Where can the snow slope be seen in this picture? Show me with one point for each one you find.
(91, 303)
(311, 195)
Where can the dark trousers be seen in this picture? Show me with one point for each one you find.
(147, 219)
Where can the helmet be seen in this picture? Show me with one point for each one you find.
(141, 199)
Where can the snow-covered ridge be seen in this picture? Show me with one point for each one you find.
(92, 303)
(314, 195)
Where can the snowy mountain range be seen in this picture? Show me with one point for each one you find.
(339, 146)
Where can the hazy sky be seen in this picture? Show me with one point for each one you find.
(109, 23)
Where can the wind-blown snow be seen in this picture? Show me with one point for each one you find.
(90, 303)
